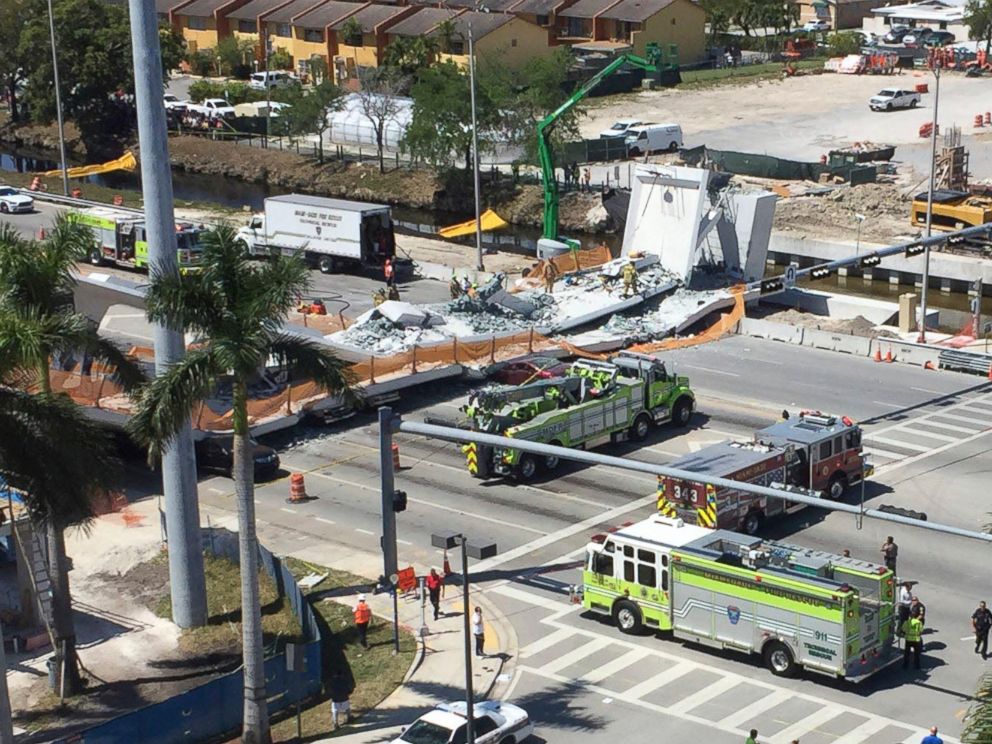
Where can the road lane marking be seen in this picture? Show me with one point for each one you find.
(899, 442)
(287, 510)
(325, 521)
(546, 642)
(708, 693)
(745, 714)
(707, 369)
(881, 469)
(661, 679)
(575, 656)
(864, 732)
(888, 405)
(933, 435)
(928, 390)
(883, 453)
(403, 542)
(613, 667)
(808, 724)
(364, 532)
(966, 419)
(950, 427)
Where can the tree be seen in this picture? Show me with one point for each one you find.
(37, 321)
(173, 47)
(14, 59)
(235, 56)
(719, 14)
(308, 111)
(445, 33)
(236, 308)
(280, 59)
(378, 100)
(978, 19)
(351, 32)
(840, 45)
(408, 56)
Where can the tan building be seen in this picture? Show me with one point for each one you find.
(368, 48)
(503, 36)
(278, 25)
(637, 23)
(543, 13)
(204, 22)
(840, 14)
(421, 23)
(311, 34)
(244, 22)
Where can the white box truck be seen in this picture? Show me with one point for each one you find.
(331, 234)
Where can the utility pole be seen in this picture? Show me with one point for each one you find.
(6, 717)
(187, 584)
(480, 265)
(469, 694)
(58, 101)
(933, 168)
(268, 90)
(388, 489)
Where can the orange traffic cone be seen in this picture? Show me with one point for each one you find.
(878, 355)
(41, 233)
(990, 371)
(447, 564)
(888, 356)
(297, 489)
(927, 364)
(396, 456)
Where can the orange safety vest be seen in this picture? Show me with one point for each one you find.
(362, 613)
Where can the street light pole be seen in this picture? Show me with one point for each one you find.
(268, 90)
(469, 703)
(933, 168)
(857, 248)
(475, 152)
(58, 101)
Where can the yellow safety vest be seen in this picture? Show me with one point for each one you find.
(913, 630)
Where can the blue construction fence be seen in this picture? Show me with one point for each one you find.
(215, 707)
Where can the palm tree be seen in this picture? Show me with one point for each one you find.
(235, 309)
(37, 321)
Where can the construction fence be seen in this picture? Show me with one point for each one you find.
(768, 166)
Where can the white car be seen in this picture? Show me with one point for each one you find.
(814, 26)
(495, 723)
(172, 103)
(213, 108)
(893, 98)
(274, 78)
(620, 128)
(13, 201)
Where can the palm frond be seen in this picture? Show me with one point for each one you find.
(164, 404)
(183, 303)
(313, 361)
(280, 284)
(978, 720)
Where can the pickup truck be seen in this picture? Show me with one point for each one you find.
(212, 108)
(893, 98)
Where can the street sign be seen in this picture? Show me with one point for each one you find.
(790, 276)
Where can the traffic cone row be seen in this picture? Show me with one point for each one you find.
(888, 356)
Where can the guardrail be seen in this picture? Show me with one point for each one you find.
(966, 361)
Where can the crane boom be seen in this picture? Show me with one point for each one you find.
(546, 126)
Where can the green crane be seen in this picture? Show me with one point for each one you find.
(652, 64)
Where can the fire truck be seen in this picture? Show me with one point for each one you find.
(815, 452)
(795, 607)
(121, 239)
(592, 404)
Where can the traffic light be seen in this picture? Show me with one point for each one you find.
(870, 260)
(775, 284)
(914, 249)
(399, 501)
(820, 273)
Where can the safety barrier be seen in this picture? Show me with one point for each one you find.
(907, 353)
(856, 345)
(774, 331)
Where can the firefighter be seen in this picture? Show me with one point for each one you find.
(454, 287)
(549, 273)
(912, 630)
(629, 279)
(393, 293)
(378, 297)
(363, 616)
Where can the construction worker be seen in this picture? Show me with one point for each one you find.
(363, 616)
(393, 293)
(912, 631)
(550, 274)
(389, 271)
(378, 297)
(454, 287)
(629, 279)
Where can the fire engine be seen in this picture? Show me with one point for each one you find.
(814, 451)
(120, 239)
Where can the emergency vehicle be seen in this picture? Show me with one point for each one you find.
(797, 608)
(121, 239)
(592, 404)
(814, 452)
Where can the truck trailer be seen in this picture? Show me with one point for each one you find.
(331, 234)
(592, 404)
(814, 452)
(120, 239)
(797, 608)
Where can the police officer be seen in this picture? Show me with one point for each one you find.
(981, 623)
(912, 630)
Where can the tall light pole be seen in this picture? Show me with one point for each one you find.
(480, 550)
(857, 248)
(187, 585)
(475, 144)
(933, 175)
(268, 90)
(58, 101)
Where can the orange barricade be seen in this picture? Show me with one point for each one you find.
(406, 579)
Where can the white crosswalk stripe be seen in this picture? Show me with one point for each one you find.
(807, 725)
(659, 680)
(900, 443)
(931, 422)
(863, 733)
(755, 709)
(928, 434)
(610, 668)
(573, 657)
(703, 696)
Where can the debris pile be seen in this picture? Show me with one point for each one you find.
(833, 214)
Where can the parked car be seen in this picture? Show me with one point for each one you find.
(939, 39)
(917, 38)
(815, 26)
(525, 370)
(495, 723)
(216, 454)
(213, 108)
(620, 128)
(13, 201)
(648, 138)
(896, 34)
(172, 103)
(894, 98)
(273, 78)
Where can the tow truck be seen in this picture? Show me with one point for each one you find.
(594, 403)
(797, 608)
(121, 239)
(818, 453)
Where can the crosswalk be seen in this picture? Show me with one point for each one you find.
(642, 673)
(936, 428)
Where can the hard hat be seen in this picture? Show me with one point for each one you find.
(361, 597)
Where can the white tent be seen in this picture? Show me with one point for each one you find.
(350, 125)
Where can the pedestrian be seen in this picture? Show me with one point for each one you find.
(363, 616)
(932, 738)
(890, 551)
(478, 631)
(338, 689)
(905, 599)
(981, 622)
(434, 582)
(389, 271)
(912, 630)
(752, 738)
(466, 285)
(918, 610)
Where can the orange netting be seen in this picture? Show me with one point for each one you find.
(565, 263)
(720, 328)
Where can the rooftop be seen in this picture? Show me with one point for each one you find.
(326, 13)
(537, 7)
(636, 11)
(421, 22)
(161, 6)
(586, 9)
(205, 8)
(321, 201)
(723, 459)
(289, 11)
(482, 23)
(255, 8)
(493, 6)
(370, 16)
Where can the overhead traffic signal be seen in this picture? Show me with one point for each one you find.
(776, 284)
(872, 259)
(820, 273)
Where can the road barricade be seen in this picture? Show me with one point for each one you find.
(845, 342)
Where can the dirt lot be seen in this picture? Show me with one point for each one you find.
(884, 206)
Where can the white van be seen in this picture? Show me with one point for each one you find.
(649, 138)
(276, 79)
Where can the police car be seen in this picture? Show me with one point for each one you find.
(495, 723)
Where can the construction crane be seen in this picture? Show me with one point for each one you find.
(651, 64)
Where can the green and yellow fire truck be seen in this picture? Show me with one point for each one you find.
(797, 608)
(592, 404)
(120, 239)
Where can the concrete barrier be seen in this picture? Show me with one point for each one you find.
(774, 331)
(856, 345)
(907, 353)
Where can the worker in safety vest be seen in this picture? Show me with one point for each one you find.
(629, 279)
(389, 271)
(363, 616)
(912, 630)
(550, 275)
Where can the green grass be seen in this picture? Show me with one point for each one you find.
(376, 671)
(697, 79)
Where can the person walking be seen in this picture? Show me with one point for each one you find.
(752, 738)
(932, 738)
(389, 271)
(363, 616)
(912, 630)
(981, 623)
(478, 632)
(434, 582)
(890, 552)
